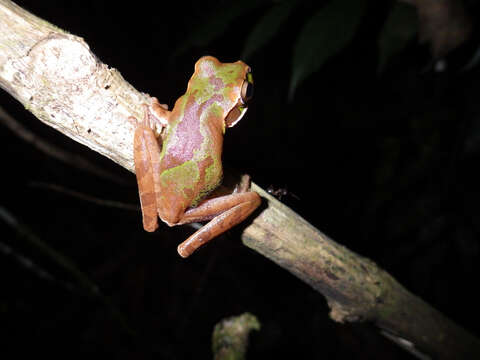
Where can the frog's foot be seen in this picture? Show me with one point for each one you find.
(155, 117)
(243, 185)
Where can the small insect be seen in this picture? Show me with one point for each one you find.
(279, 193)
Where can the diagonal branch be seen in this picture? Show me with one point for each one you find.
(56, 77)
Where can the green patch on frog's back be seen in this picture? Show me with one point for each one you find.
(187, 176)
(183, 176)
(226, 77)
(201, 89)
(230, 73)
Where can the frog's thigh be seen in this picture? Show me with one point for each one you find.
(147, 161)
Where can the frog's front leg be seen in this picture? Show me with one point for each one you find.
(225, 212)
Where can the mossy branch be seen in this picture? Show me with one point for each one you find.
(56, 77)
(230, 336)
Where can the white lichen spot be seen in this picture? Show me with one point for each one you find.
(63, 58)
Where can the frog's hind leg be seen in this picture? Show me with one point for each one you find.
(225, 212)
(147, 162)
(146, 153)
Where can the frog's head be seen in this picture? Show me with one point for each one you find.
(231, 84)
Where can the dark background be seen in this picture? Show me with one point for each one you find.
(384, 163)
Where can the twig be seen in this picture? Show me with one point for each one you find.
(86, 197)
(230, 337)
(91, 289)
(94, 200)
(51, 150)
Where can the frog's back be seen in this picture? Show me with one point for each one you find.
(191, 164)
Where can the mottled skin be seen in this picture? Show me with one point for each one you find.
(175, 178)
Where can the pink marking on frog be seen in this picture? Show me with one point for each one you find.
(217, 82)
(187, 133)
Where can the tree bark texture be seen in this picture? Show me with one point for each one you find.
(57, 78)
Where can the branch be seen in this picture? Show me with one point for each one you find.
(230, 336)
(56, 77)
(356, 289)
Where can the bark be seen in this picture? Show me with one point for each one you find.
(356, 289)
(56, 77)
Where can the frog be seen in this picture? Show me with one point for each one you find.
(178, 154)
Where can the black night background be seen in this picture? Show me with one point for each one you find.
(378, 148)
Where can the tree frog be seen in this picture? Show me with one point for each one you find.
(177, 154)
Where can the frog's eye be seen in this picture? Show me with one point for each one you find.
(247, 88)
(240, 109)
